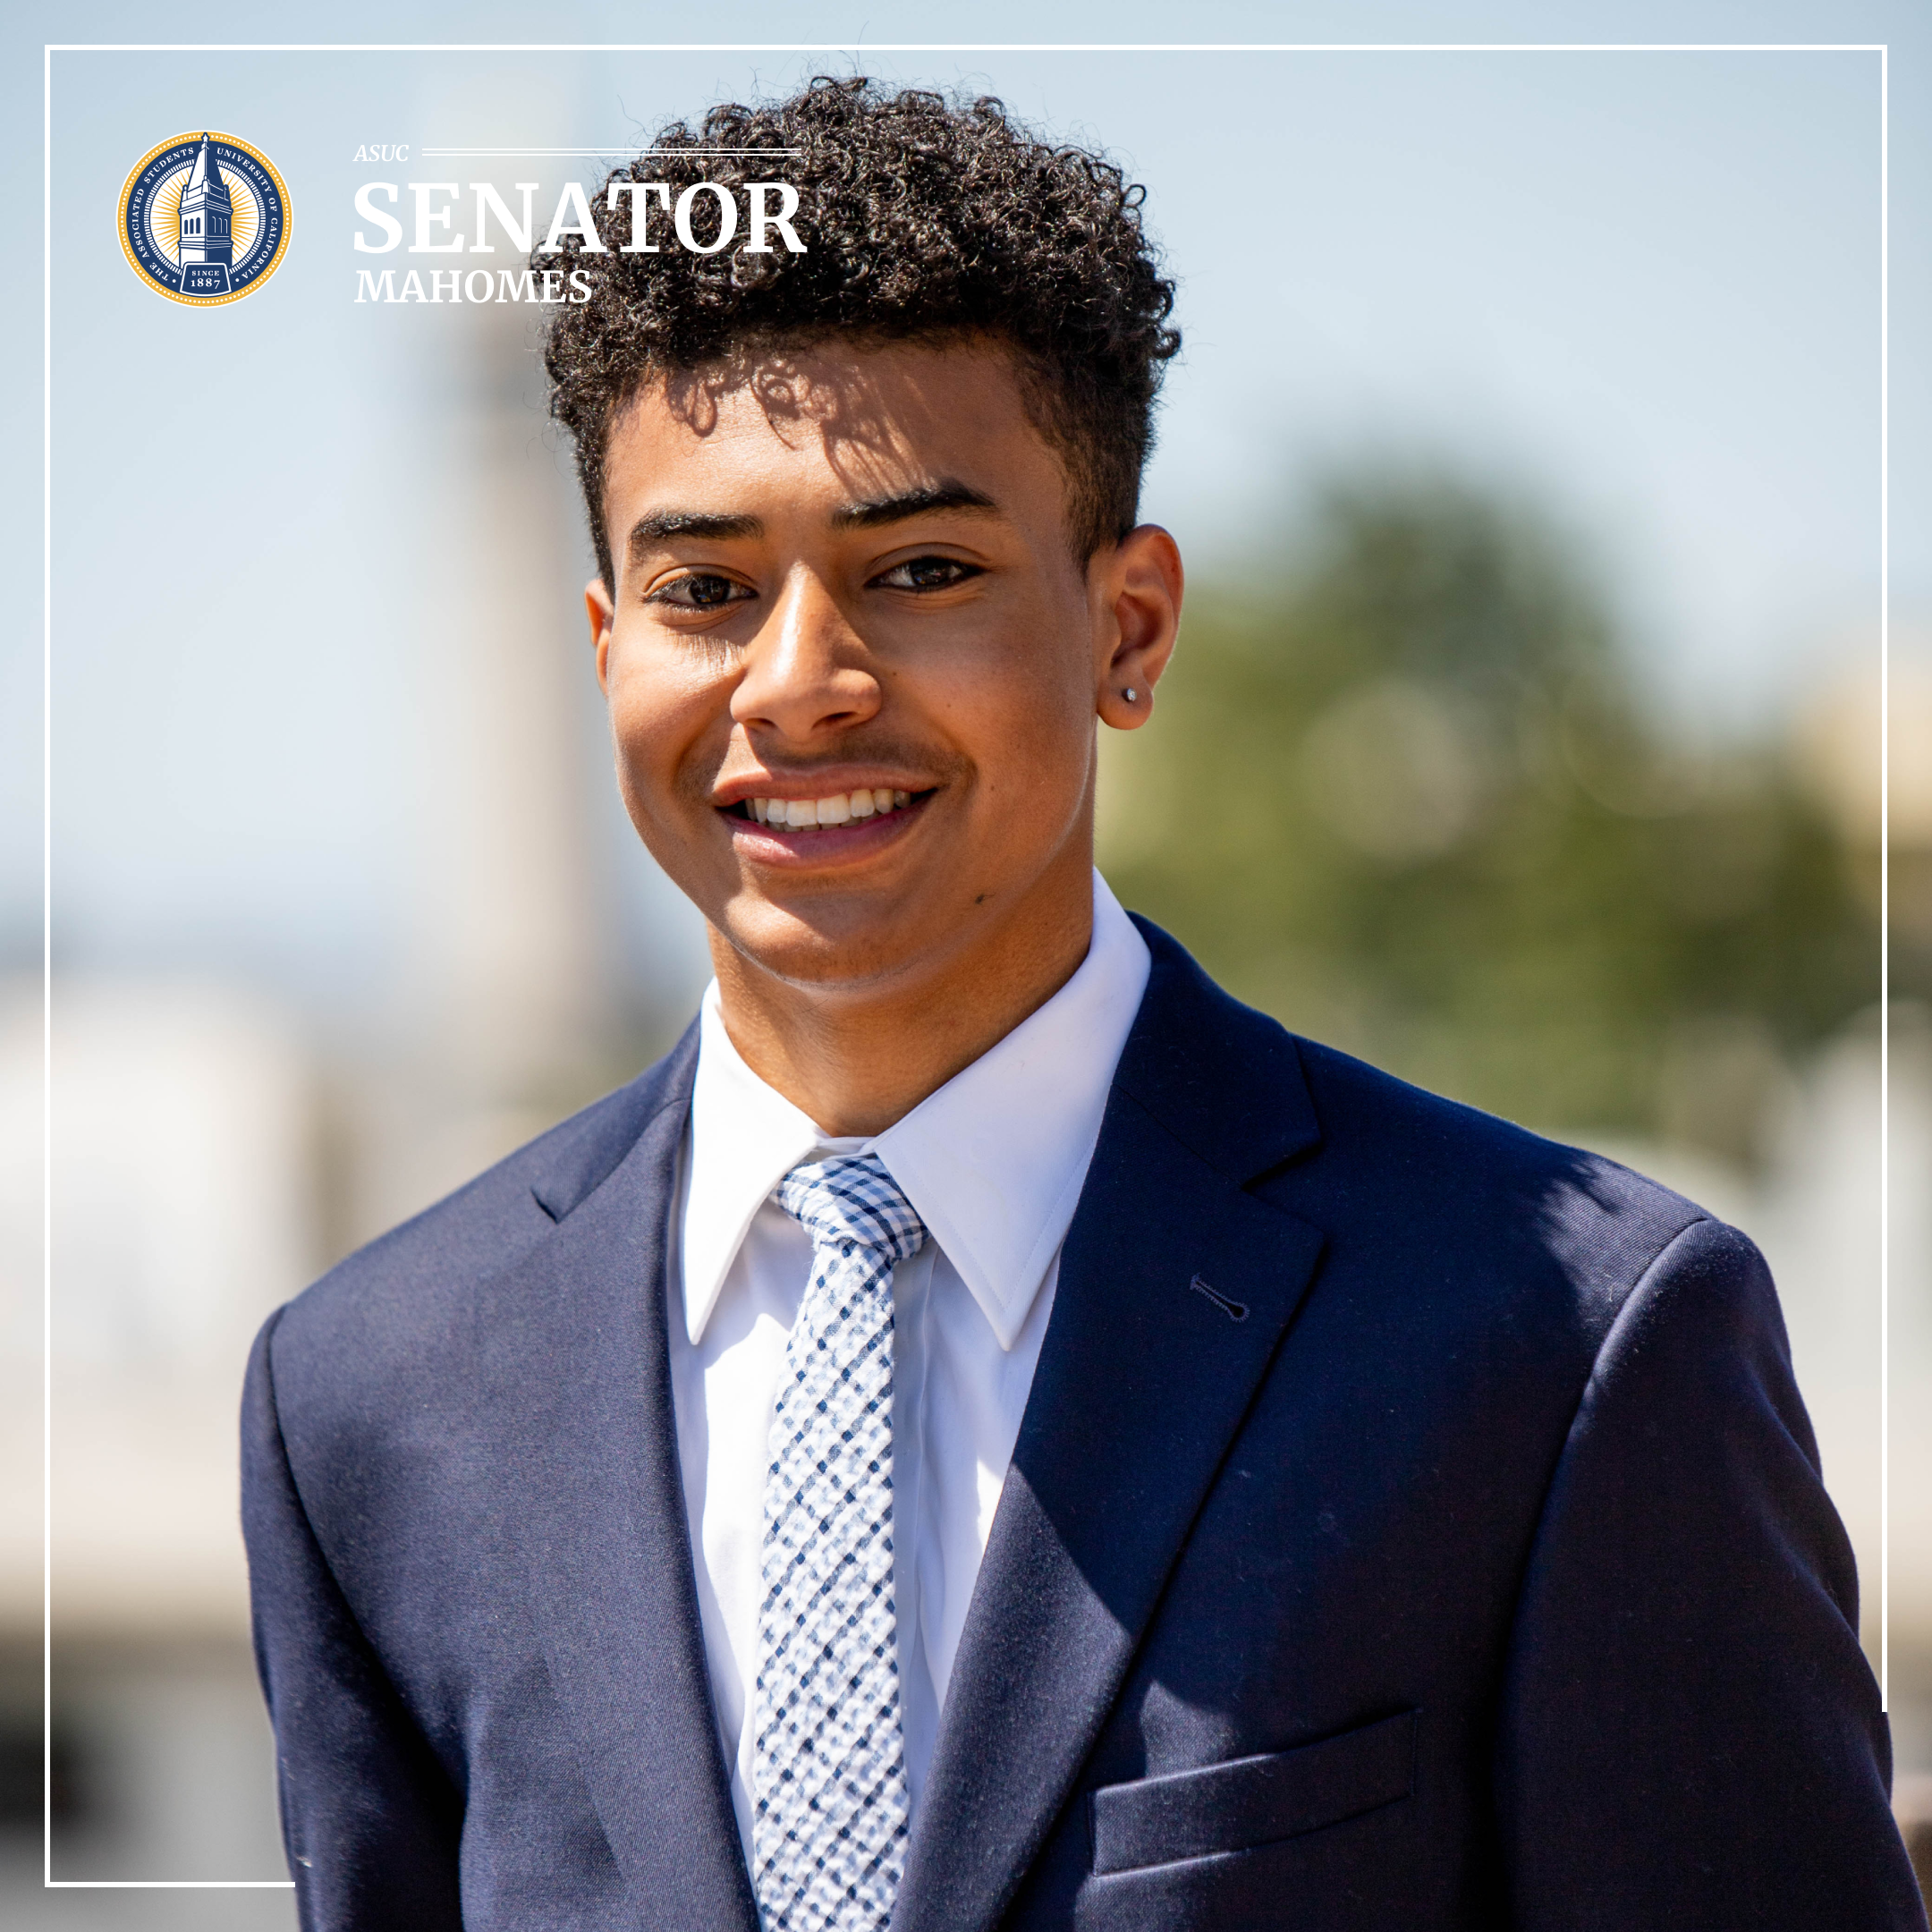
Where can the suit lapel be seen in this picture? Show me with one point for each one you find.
(1175, 1287)
(594, 1495)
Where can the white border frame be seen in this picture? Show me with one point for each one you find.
(899, 47)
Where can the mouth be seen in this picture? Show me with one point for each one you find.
(819, 828)
(840, 808)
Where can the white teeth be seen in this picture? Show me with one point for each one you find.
(840, 809)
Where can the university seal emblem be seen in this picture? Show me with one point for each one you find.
(204, 219)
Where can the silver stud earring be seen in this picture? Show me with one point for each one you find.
(1130, 694)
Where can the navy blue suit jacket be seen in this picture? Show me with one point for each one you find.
(1414, 1525)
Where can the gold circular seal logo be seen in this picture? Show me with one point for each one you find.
(204, 219)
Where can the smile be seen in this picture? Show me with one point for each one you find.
(842, 807)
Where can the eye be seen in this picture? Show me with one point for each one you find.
(927, 574)
(702, 591)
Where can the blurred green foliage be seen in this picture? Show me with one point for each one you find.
(1403, 794)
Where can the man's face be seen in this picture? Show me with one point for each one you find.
(845, 596)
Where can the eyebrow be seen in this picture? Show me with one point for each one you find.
(655, 526)
(947, 495)
(661, 526)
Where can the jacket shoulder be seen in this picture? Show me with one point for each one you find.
(1422, 1171)
(404, 1279)
(1421, 1189)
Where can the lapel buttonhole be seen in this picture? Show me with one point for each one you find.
(1234, 1310)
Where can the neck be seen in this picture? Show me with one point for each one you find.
(855, 1062)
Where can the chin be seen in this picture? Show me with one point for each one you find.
(833, 944)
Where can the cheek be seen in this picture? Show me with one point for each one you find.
(661, 718)
(1037, 722)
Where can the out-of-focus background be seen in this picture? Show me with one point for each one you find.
(1524, 736)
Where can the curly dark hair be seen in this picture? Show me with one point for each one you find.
(922, 217)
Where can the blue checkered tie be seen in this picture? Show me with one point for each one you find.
(828, 1776)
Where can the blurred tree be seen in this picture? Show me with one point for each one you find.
(1407, 798)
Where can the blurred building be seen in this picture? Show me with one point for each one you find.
(502, 1017)
(212, 1151)
(183, 1208)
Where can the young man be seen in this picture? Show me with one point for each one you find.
(990, 1431)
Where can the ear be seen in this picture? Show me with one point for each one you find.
(1136, 589)
(600, 610)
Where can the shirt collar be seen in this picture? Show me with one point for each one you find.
(994, 1161)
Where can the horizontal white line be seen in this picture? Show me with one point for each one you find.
(965, 47)
(615, 148)
(168, 1885)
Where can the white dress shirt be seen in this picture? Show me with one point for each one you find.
(994, 1164)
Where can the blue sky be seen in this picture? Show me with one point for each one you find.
(1641, 288)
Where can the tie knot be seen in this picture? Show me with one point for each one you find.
(851, 1202)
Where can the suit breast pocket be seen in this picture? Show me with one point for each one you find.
(1252, 1801)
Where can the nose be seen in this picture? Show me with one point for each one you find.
(805, 675)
